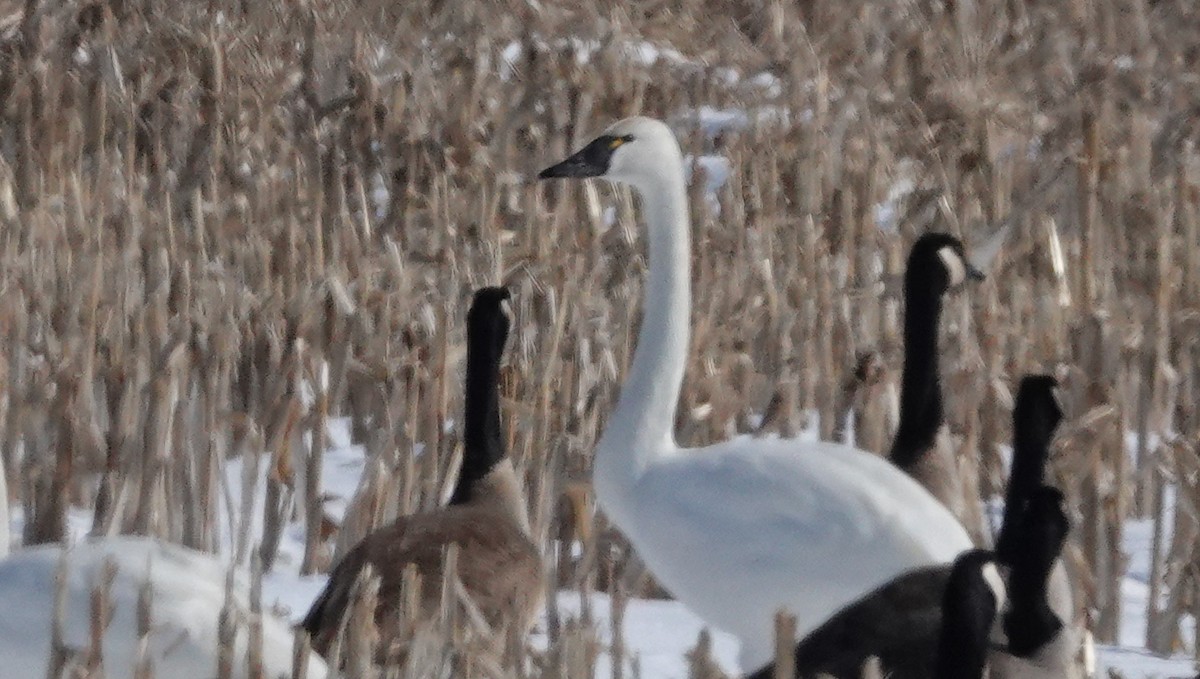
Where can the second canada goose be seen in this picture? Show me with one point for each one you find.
(1030, 623)
(936, 264)
(1036, 416)
(899, 622)
(499, 564)
(738, 529)
(929, 623)
(1046, 634)
(974, 594)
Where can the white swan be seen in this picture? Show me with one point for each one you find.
(739, 529)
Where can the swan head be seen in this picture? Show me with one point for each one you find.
(939, 261)
(631, 151)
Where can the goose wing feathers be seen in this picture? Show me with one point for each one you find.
(497, 565)
(899, 623)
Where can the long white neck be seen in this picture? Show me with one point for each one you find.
(642, 426)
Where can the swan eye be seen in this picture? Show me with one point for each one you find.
(956, 268)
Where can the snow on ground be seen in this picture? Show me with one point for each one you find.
(188, 595)
(658, 633)
(641, 53)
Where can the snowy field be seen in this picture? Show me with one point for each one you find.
(657, 633)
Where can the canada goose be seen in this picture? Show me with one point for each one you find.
(499, 564)
(949, 621)
(914, 623)
(936, 264)
(974, 594)
(1036, 416)
(742, 528)
(187, 594)
(899, 622)
(1046, 634)
(1029, 622)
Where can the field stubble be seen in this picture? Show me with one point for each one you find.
(222, 224)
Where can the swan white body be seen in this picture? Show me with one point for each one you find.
(188, 592)
(740, 529)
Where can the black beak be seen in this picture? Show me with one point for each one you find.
(575, 166)
(974, 274)
(590, 161)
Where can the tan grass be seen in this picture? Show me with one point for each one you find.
(190, 240)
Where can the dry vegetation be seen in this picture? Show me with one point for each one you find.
(211, 211)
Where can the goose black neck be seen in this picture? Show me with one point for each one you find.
(1030, 623)
(920, 386)
(1031, 448)
(968, 612)
(483, 445)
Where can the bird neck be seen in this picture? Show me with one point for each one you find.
(483, 443)
(920, 387)
(1028, 469)
(500, 489)
(641, 427)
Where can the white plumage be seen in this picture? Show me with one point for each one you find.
(739, 529)
(188, 593)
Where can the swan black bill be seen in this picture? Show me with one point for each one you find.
(592, 160)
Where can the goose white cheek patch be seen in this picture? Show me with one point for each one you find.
(954, 265)
(991, 575)
(1058, 398)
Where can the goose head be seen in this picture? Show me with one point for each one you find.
(975, 594)
(635, 151)
(938, 262)
(490, 315)
(1038, 407)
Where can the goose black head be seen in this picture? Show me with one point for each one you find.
(1038, 407)
(490, 314)
(939, 262)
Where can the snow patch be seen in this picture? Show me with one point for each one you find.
(188, 594)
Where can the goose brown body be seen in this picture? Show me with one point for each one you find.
(499, 565)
